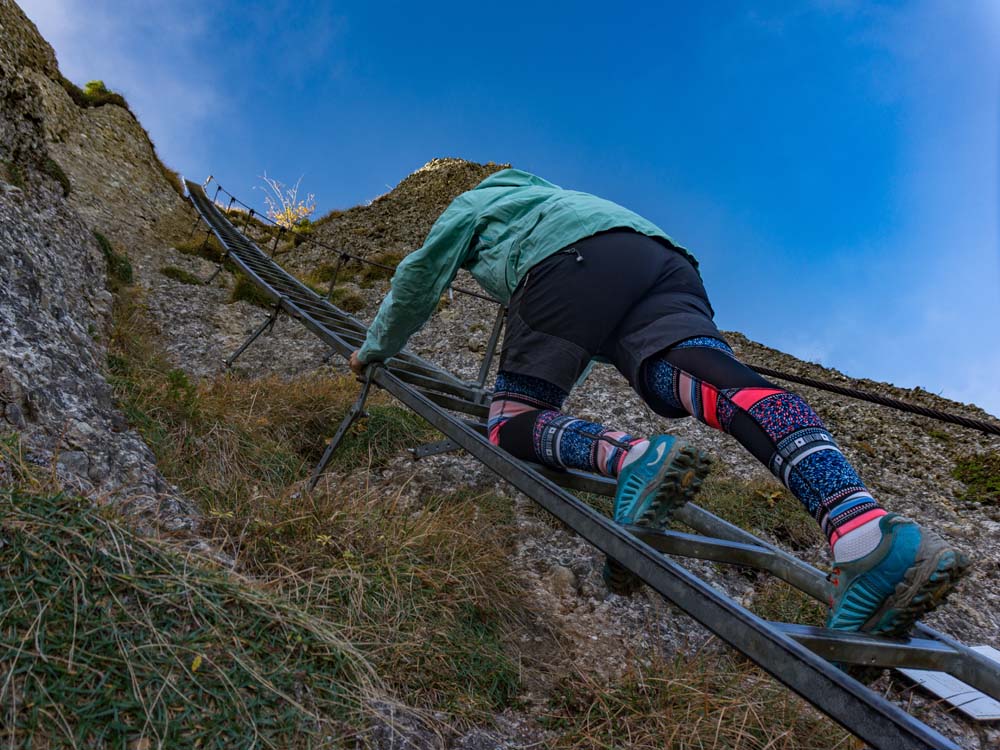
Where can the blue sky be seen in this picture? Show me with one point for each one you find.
(833, 164)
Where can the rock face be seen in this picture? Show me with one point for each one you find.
(118, 182)
(54, 308)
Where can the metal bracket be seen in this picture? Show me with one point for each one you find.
(433, 449)
(356, 412)
(336, 273)
(491, 347)
(218, 269)
(265, 326)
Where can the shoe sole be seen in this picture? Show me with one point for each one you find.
(925, 587)
(678, 481)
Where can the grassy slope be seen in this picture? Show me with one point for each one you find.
(345, 596)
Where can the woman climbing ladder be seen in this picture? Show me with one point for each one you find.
(586, 278)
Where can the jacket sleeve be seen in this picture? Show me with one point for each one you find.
(420, 279)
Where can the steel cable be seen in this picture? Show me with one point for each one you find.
(974, 424)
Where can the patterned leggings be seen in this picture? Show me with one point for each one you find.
(698, 377)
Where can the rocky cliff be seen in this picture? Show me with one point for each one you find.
(54, 303)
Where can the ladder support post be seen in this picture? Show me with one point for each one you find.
(277, 239)
(356, 412)
(433, 449)
(336, 273)
(265, 326)
(218, 269)
(484, 368)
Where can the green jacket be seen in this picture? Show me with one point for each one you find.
(497, 231)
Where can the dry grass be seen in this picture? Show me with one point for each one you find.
(981, 475)
(708, 701)
(415, 589)
(205, 246)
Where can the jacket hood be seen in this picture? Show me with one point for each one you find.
(508, 178)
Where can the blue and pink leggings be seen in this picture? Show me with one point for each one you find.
(698, 377)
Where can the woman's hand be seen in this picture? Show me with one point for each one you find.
(357, 365)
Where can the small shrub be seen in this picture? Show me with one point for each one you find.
(347, 299)
(370, 274)
(53, 170)
(119, 267)
(284, 207)
(98, 95)
(179, 274)
(981, 475)
(13, 174)
(301, 232)
(344, 297)
(246, 291)
(324, 274)
(210, 249)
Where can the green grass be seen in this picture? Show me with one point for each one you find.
(12, 173)
(301, 233)
(179, 274)
(775, 600)
(347, 299)
(981, 475)
(343, 296)
(53, 170)
(367, 274)
(244, 290)
(112, 639)
(119, 267)
(761, 507)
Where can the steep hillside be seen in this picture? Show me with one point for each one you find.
(402, 604)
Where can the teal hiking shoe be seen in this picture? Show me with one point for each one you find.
(667, 475)
(906, 576)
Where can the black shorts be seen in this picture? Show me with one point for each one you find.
(618, 295)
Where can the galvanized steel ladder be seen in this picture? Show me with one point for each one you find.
(801, 657)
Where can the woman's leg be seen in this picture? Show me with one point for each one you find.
(526, 421)
(889, 572)
(701, 377)
(655, 476)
